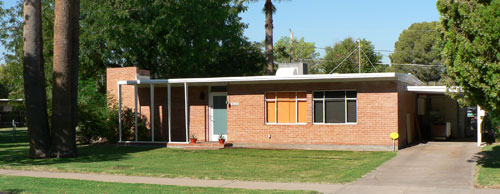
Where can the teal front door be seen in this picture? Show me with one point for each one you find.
(219, 116)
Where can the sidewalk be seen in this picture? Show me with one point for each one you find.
(324, 188)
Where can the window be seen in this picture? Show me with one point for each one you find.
(335, 107)
(286, 107)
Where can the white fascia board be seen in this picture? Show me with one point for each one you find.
(427, 89)
(274, 78)
(411, 80)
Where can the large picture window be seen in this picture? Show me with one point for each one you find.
(286, 107)
(335, 107)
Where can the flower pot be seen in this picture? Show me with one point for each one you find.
(193, 140)
(221, 141)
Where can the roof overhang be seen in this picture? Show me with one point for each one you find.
(429, 89)
(405, 78)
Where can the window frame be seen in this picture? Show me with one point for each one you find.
(275, 100)
(324, 99)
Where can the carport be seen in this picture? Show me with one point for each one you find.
(439, 117)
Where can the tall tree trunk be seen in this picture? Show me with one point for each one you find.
(34, 80)
(269, 9)
(65, 88)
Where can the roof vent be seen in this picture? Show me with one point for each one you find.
(286, 71)
(300, 68)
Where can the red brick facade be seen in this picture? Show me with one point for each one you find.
(381, 108)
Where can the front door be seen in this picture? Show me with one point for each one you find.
(218, 116)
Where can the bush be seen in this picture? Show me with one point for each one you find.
(98, 121)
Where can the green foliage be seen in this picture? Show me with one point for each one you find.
(302, 50)
(189, 38)
(340, 50)
(420, 44)
(471, 52)
(97, 119)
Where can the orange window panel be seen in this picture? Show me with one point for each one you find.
(293, 116)
(302, 111)
(283, 111)
(271, 111)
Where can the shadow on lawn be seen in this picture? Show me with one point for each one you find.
(489, 158)
(15, 151)
(11, 191)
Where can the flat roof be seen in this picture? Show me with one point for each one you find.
(428, 89)
(405, 78)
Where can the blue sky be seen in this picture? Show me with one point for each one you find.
(328, 21)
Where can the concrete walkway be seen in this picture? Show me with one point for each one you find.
(435, 167)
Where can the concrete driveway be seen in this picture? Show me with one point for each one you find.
(434, 167)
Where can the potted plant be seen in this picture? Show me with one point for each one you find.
(221, 139)
(193, 138)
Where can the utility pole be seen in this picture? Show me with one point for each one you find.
(291, 45)
(359, 55)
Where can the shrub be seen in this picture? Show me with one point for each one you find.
(98, 120)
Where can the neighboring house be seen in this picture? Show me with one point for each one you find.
(289, 110)
(7, 113)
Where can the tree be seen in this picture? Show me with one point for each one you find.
(269, 9)
(341, 58)
(34, 81)
(471, 52)
(170, 38)
(303, 51)
(419, 44)
(65, 76)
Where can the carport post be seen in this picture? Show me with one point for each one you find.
(186, 110)
(168, 113)
(480, 114)
(152, 111)
(120, 112)
(135, 112)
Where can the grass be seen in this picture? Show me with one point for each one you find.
(489, 167)
(228, 164)
(15, 184)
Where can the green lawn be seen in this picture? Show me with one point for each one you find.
(13, 184)
(229, 164)
(489, 167)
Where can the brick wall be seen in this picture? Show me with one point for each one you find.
(382, 108)
(377, 116)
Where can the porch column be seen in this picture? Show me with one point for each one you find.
(186, 110)
(168, 113)
(152, 111)
(480, 114)
(135, 112)
(120, 112)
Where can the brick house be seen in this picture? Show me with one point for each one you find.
(289, 110)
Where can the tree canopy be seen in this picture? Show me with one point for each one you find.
(302, 50)
(172, 39)
(341, 50)
(471, 53)
(419, 44)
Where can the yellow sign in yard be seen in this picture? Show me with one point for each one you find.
(394, 135)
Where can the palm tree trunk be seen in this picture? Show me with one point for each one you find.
(65, 75)
(269, 8)
(34, 80)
